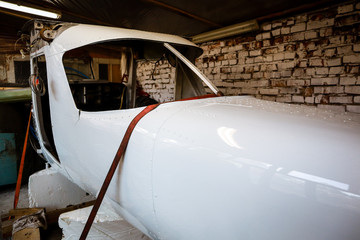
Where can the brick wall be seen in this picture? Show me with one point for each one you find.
(160, 84)
(311, 58)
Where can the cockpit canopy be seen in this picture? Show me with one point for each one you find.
(101, 62)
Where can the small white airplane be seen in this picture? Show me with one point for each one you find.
(208, 168)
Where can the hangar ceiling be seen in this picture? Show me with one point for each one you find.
(181, 17)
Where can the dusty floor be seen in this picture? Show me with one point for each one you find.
(7, 194)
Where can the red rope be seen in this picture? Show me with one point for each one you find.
(112, 169)
(21, 168)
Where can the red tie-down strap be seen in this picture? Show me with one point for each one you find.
(113, 167)
(21, 167)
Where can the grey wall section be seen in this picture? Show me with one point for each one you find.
(312, 58)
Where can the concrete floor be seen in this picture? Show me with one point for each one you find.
(7, 194)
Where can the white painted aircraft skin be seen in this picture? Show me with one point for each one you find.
(219, 168)
(83, 34)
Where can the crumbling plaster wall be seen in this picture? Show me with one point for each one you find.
(3, 74)
(312, 58)
(7, 68)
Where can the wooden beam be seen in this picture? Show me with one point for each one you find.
(16, 14)
(301, 8)
(182, 12)
(19, 212)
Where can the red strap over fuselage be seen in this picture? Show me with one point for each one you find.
(113, 167)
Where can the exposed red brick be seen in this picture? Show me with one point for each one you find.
(278, 83)
(279, 40)
(230, 42)
(220, 58)
(325, 99)
(316, 17)
(244, 39)
(258, 44)
(308, 91)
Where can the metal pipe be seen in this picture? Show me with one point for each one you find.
(228, 31)
(19, 15)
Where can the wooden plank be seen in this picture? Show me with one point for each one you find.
(27, 234)
(115, 73)
(19, 212)
(7, 223)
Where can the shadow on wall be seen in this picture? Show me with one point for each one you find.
(14, 119)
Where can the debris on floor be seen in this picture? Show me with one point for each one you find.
(107, 225)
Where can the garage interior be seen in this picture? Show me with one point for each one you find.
(305, 53)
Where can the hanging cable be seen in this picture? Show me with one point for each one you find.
(37, 85)
(77, 71)
(156, 64)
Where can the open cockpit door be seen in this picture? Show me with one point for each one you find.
(39, 85)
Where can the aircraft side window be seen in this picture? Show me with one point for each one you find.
(102, 76)
(97, 77)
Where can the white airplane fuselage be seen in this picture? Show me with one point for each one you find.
(215, 168)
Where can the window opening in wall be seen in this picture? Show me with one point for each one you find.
(22, 72)
(103, 71)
